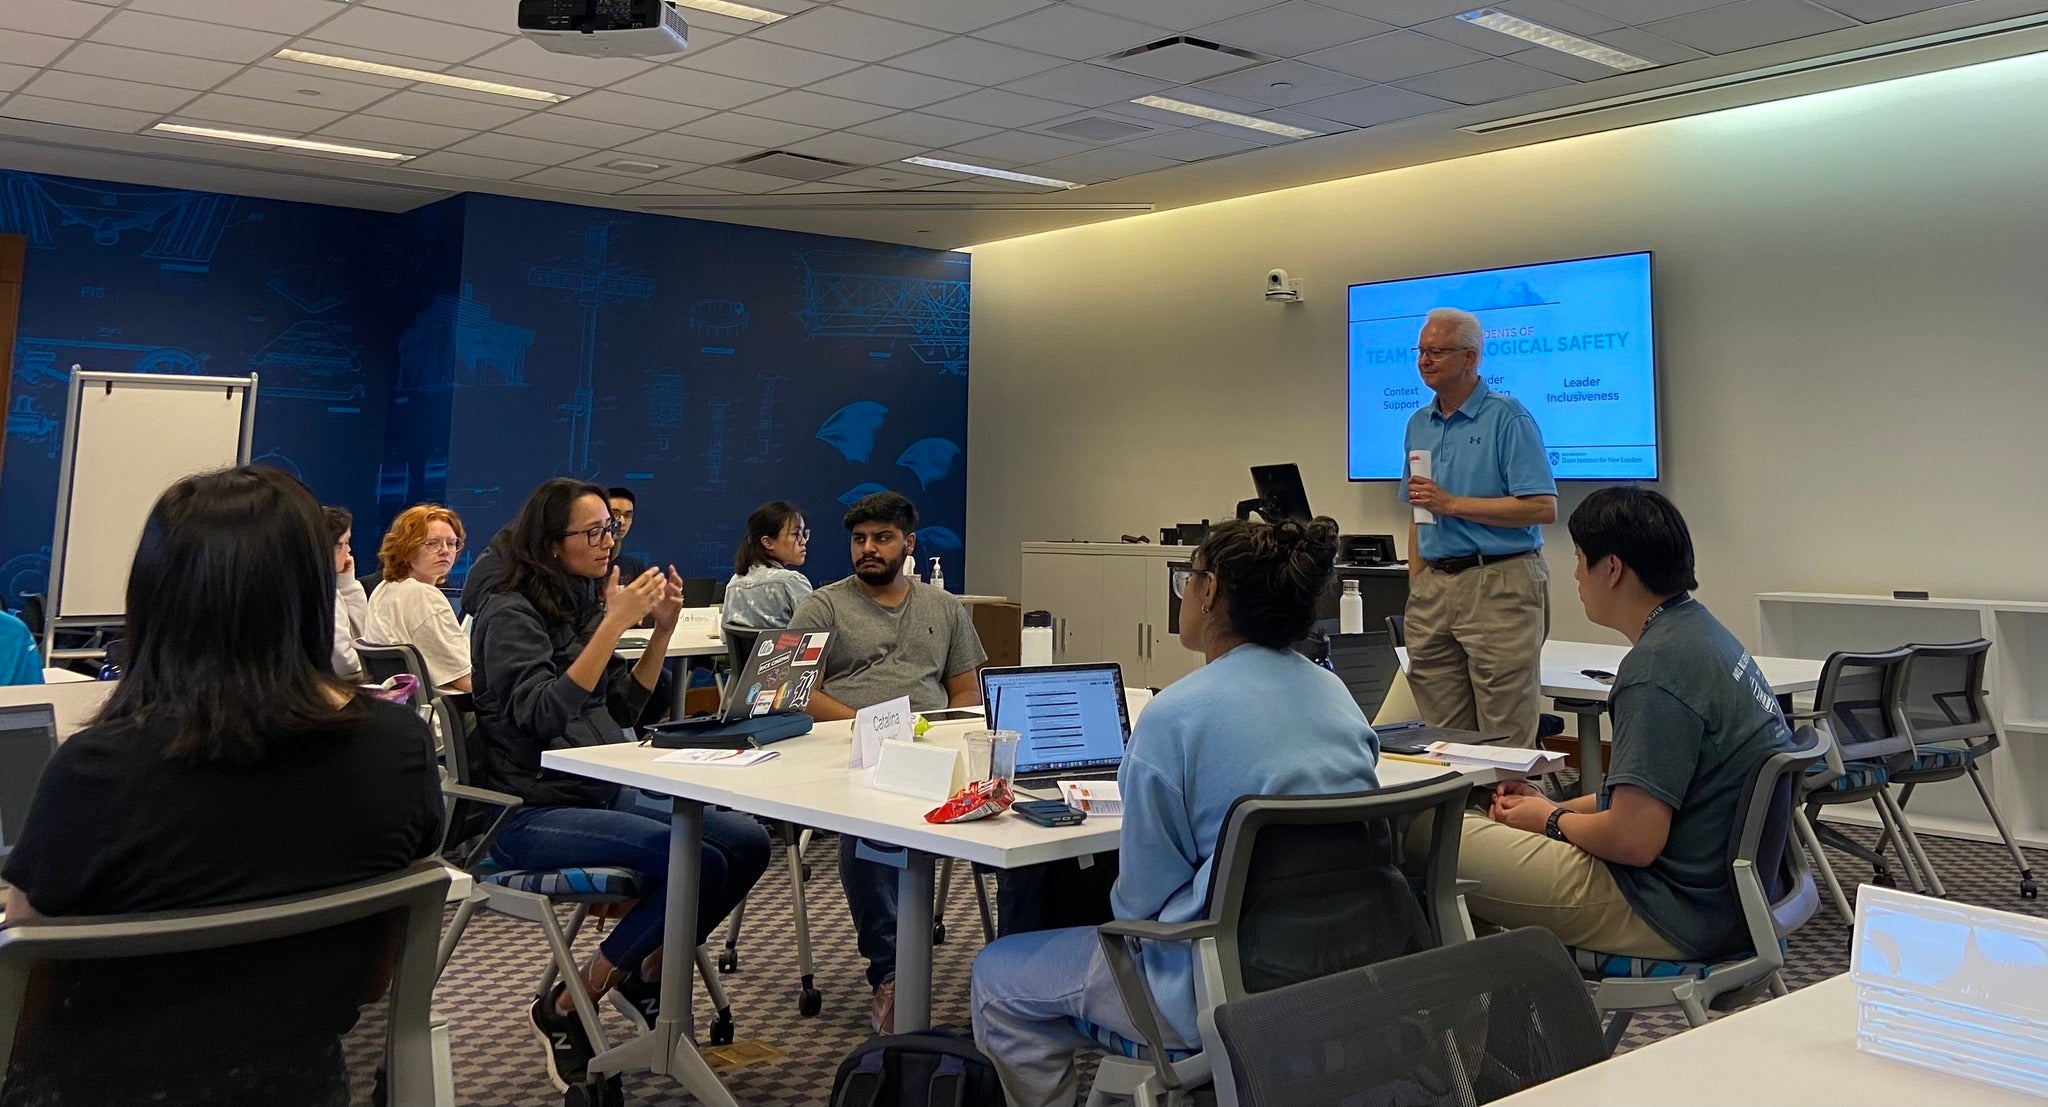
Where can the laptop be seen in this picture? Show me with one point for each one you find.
(28, 739)
(1367, 664)
(1071, 720)
(779, 676)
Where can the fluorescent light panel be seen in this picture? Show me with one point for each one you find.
(1515, 26)
(737, 11)
(985, 171)
(403, 73)
(257, 139)
(1218, 115)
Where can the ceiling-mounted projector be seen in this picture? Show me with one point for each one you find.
(605, 28)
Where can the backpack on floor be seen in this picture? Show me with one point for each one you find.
(930, 1068)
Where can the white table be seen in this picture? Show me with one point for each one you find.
(809, 784)
(692, 639)
(1796, 1050)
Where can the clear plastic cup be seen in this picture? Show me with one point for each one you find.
(992, 754)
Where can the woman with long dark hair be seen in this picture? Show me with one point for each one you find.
(546, 677)
(765, 586)
(229, 765)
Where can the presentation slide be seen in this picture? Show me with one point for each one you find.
(1572, 340)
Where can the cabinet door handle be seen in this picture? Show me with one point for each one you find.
(1141, 639)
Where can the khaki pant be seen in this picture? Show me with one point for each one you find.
(1529, 880)
(1475, 641)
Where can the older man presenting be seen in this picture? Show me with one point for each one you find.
(1478, 590)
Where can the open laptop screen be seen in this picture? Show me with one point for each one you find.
(28, 737)
(1065, 716)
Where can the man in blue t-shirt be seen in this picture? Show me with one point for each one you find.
(1642, 869)
(1478, 590)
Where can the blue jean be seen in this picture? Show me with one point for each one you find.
(735, 855)
(871, 897)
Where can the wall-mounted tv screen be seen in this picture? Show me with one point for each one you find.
(1572, 340)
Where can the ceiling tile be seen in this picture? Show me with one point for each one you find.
(240, 111)
(952, 15)
(1483, 82)
(99, 117)
(490, 15)
(1175, 15)
(97, 59)
(63, 18)
(879, 84)
(632, 111)
(750, 130)
(1295, 27)
(1014, 148)
(1403, 13)
(1643, 44)
(445, 110)
(1563, 64)
(589, 133)
(1088, 86)
(1644, 11)
(1870, 11)
(1393, 56)
(734, 180)
(769, 62)
(522, 57)
(375, 129)
(182, 36)
(1569, 18)
(532, 151)
(596, 163)
(1261, 83)
(673, 188)
(286, 17)
(830, 112)
(685, 86)
(849, 34)
(14, 76)
(1747, 24)
(22, 48)
(1471, 35)
(1191, 144)
(291, 86)
(857, 149)
(405, 34)
(1372, 106)
(1108, 164)
(997, 108)
(930, 131)
(689, 149)
(57, 85)
(972, 59)
(580, 180)
(1072, 33)
(469, 165)
(889, 177)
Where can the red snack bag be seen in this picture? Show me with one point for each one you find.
(980, 800)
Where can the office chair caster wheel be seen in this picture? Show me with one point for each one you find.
(1884, 879)
(2028, 890)
(810, 1003)
(609, 1092)
(721, 1029)
(804, 870)
(729, 961)
(939, 933)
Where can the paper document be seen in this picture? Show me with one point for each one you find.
(715, 757)
(873, 725)
(1418, 466)
(1512, 757)
(1097, 797)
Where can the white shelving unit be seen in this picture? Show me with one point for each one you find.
(1815, 624)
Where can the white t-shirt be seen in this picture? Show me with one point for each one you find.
(351, 613)
(418, 614)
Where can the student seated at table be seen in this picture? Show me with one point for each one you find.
(893, 635)
(546, 678)
(229, 765)
(766, 588)
(19, 661)
(1642, 868)
(409, 606)
(351, 604)
(1257, 719)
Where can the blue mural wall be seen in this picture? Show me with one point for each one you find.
(468, 350)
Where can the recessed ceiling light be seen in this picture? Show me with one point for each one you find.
(1517, 27)
(985, 171)
(1218, 115)
(737, 11)
(357, 65)
(257, 139)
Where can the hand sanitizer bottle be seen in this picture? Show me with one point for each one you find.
(939, 576)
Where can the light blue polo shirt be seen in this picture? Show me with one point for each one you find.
(1489, 447)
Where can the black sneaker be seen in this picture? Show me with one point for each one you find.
(639, 1000)
(568, 1047)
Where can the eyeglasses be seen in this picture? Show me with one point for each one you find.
(452, 545)
(597, 533)
(1181, 577)
(803, 535)
(1437, 353)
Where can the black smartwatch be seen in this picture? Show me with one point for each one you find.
(1552, 828)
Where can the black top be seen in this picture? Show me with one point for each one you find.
(118, 829)
(526, 703)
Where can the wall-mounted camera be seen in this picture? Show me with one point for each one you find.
(1281, 288)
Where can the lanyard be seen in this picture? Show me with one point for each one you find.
(1679, 600)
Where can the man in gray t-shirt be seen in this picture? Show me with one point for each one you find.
(892, 636)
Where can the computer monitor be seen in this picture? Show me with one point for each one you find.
(1279, 488)
(1065, 716)
(28, 739)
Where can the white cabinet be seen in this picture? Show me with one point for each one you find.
(1070, 586)
(1110, 602)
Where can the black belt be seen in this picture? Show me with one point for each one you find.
(1456, 565)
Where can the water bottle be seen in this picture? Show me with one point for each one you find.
(938, 575)
(1350, 610)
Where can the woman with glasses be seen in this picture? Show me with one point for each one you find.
(547, 677)
(765, 586)
(409, 607)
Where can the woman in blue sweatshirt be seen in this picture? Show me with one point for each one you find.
(1211, 737)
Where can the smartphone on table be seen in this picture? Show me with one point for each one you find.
(1048, 812)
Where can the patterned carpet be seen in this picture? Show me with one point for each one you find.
(489, 984)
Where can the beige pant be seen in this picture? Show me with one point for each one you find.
(1529, 880)
(1475, 641)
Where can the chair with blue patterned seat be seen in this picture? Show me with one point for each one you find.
(1300, 887)
(1772, 883)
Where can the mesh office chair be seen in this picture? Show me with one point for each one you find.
(1301, 887)
(1948, 715)
(1451, 1027)
(1773, 885)
(1861, 704)
(382, 661)
(61, 976)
